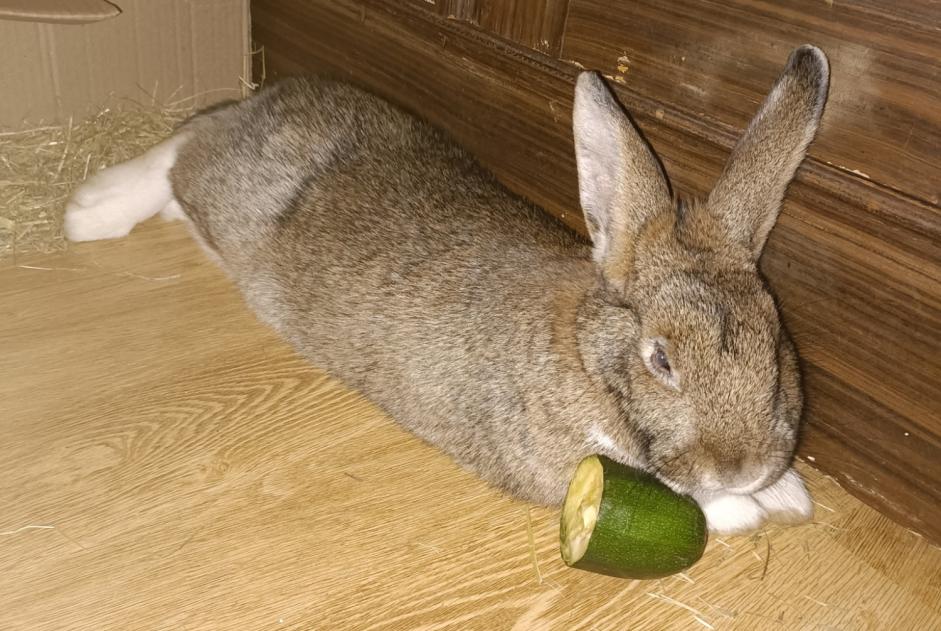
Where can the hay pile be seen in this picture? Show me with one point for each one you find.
(39, 168)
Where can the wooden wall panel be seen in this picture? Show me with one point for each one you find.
(712, 59)
(856, 266)
(536, 24)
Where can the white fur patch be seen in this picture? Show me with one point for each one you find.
(172, 211)
(787, 500)
(606, 446)
(110, 203)
(600, 439)
(728, 514)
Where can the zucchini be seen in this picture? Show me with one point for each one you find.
(619, 521)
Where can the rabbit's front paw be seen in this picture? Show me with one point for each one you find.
(728, 514)
(787, 500)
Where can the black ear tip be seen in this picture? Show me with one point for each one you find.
(809, 52)
(809, 61)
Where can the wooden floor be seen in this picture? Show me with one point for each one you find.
(168, 463)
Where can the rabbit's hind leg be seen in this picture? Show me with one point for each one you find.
(110, 203)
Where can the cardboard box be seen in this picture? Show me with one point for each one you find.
(68, 58)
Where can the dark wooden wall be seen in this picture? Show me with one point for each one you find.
(856, 256)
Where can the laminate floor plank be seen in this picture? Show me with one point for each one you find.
(169, 463)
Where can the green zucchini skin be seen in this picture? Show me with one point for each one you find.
(644, 529)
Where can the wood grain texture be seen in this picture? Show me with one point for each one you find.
(168, 463)
(856, 266)
(536, 24)
(713, 61)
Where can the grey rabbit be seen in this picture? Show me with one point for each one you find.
(387, 255)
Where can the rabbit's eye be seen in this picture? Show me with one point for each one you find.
(655, 357)
(660, 361)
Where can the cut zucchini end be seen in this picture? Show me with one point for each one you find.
(580, 511)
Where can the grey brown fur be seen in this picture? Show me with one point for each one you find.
(385, 254)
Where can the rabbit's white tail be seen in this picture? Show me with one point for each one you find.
(110, 203)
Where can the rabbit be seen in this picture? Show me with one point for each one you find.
(385, 254)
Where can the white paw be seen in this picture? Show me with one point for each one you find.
(728, 514)
(110, 203)
(787, 500)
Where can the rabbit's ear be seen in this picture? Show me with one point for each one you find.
(747, 198)
(620, 182)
